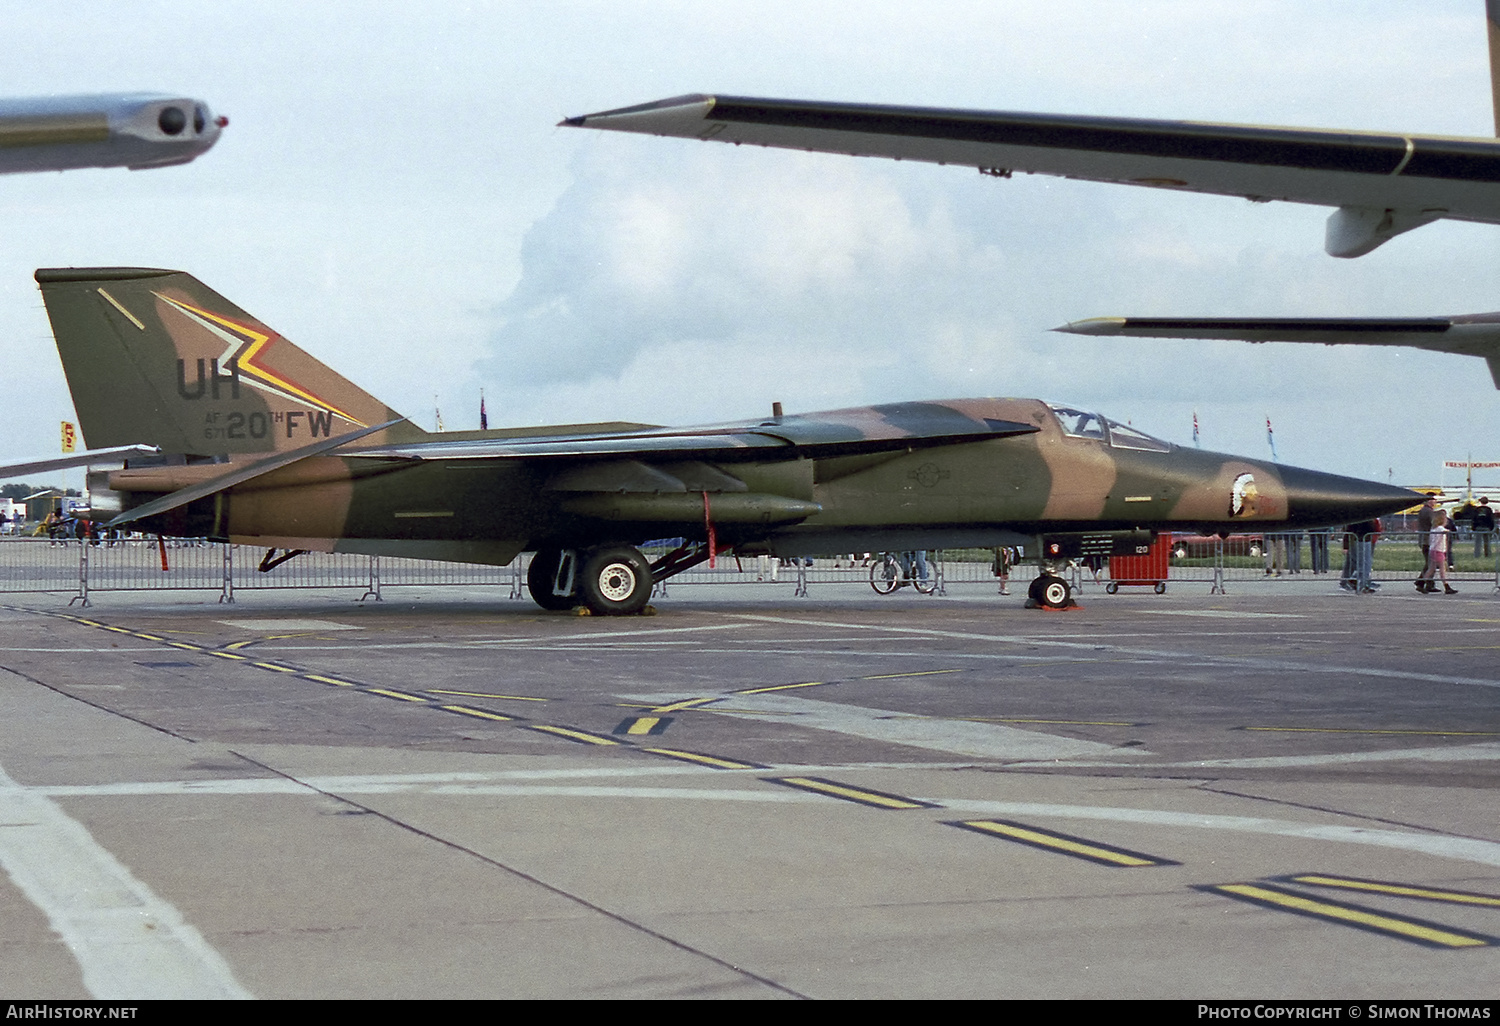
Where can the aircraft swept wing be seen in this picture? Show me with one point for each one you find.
(872, 429)
(251, 455)
(1383, 183)
(134, 130)
(92, 458)
(1467, 334)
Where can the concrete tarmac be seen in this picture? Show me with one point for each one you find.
(1283, 792)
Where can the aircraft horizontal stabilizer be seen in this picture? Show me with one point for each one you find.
(96, 458)
(1465, 335)
(240, 475)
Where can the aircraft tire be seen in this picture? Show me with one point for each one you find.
(1034, 590)
(1052, 591)
(616, 580)
(541, 578)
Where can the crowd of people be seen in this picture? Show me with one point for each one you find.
(1436, 528)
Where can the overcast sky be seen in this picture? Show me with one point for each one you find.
(392, 194)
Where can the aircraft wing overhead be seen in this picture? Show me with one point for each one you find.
(134, 130)
(1382, 183)
(845, 432)
(1466, 335)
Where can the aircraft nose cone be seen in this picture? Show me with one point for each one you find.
(1315, 499)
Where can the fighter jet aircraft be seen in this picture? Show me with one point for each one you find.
(1383, 183)
(260, 444)
(134, 130)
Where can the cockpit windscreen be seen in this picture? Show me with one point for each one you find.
(1081, 424)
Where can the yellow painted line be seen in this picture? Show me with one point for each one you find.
(1399, 890)
(643, 725)
(1064, 843)
(475, 712)
(273, 666)
(226, 655)
(1431, 934)
(89, 623)
(781, 687)
(573, 735)
(149, 637)
(485, 694)
(1356, 730)
(393, 694)
(117, 630)
(834, 789)
(688, 704)
(239, 644)
(325, 680)
(184, 644)
(920, 673)
(706, 760)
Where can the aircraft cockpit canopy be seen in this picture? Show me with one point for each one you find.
(1080, 424)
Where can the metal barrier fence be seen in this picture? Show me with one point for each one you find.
(40, 565)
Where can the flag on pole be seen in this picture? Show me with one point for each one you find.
(1195, 430)
(69, 437)
(437, 413)
(1271, 440)
(484, 420)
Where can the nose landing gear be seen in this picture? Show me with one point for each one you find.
(1049, 591)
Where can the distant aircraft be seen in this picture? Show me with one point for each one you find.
(263, 445)
(134, 130)
(1383, 183)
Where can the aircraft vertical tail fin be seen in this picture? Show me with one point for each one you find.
(156, 357)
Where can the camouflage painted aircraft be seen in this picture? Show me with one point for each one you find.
(1382, 183)
(134, 130)
(262, 445)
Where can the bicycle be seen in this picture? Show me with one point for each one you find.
(894, 570)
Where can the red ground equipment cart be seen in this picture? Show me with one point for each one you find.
(1148, 569)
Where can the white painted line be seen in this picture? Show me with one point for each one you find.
(1228, 614)
(1464, 849)
(1483, 752)
(290, 625)
(129, 943)
(1178, 656)
(616, 635)
(393, 783)
(961, 737)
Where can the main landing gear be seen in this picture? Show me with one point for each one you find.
(611, 580)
